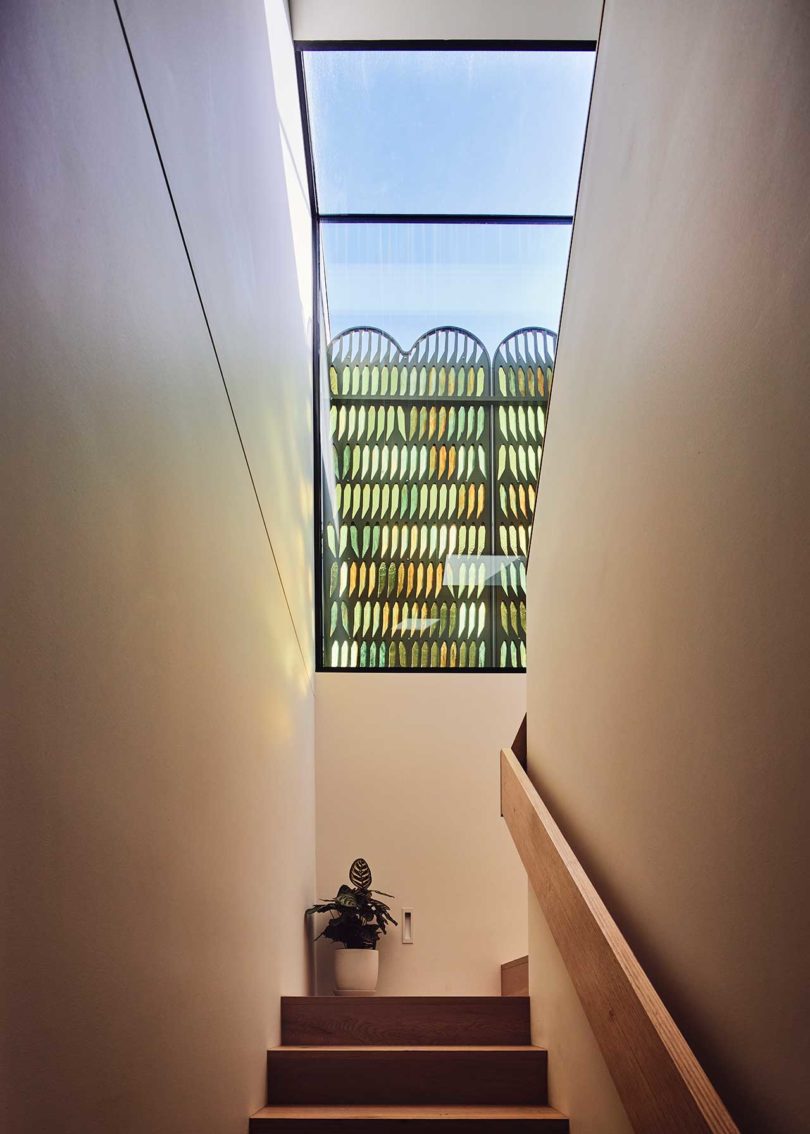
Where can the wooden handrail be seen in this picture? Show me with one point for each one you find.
(661, 1084)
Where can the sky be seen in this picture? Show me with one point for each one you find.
(446, 132)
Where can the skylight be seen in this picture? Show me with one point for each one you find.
(445, 183)
(448, 131)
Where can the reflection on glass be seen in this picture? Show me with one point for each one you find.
(407, 278)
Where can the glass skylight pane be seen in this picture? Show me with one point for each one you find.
(448, 131)
(409, 278)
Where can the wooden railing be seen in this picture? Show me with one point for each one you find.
(661, 1084)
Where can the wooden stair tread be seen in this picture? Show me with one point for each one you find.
(425, 1021)
(365, 1048)
(457, 1074)
(386, 1113)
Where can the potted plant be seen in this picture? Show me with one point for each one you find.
(357, 922)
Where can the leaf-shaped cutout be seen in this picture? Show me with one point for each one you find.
(333, 578)
(451, 462)
(333, 615)
(522, 462)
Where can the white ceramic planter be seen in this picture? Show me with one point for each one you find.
(356, 972)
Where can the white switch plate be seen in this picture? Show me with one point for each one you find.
(407, 927)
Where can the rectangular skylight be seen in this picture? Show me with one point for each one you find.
(474, 132)
(445, 186)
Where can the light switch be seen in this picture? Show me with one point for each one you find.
(407, 927)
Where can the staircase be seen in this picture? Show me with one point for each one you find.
(375, 1064)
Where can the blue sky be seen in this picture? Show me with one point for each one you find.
(490, 132)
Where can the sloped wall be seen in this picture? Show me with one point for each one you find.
(157, 782)
(668, 658)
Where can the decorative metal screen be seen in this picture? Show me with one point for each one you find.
(522, 367)
(410, 518)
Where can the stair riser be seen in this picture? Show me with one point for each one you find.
(320, 1021)
(416, 1077)
(409, 1126)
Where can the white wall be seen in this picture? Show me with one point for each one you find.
(157, 796)
(408, 778)
(446, 19)
(669, 664)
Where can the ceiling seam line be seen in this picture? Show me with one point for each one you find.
(210, 332)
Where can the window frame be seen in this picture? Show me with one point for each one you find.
(302, 48)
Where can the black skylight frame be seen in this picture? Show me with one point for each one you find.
(302, 48)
